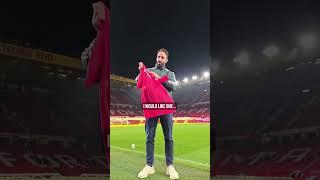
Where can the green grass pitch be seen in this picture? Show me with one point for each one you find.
(191, 152)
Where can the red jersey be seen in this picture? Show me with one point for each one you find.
(154, 93)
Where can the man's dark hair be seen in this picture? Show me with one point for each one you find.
(163, 50)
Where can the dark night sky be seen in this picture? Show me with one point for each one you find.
(138, 29)
(251, 25)
(61, 26)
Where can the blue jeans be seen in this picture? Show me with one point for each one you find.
(150, 128)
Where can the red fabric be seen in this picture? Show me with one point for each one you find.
(98, 71)
(153, 92)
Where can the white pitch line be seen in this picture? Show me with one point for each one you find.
(163, 157)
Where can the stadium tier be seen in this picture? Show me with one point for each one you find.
(50, 123)
(267, 120)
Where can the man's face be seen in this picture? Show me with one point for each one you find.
(161, 58)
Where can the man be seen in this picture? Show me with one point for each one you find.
(166, 120)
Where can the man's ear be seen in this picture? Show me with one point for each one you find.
(166, 60)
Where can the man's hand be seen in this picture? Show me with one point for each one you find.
(140, 65)
(98, 14)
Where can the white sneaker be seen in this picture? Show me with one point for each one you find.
(146, 171)
(172, 172)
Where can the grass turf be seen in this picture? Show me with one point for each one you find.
(192, 151)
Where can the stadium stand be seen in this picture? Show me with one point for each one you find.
(267, 120)
(49, 122)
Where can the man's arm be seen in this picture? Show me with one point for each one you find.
(171, 84)
(98, 15)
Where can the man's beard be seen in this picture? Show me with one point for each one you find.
(160, 65)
